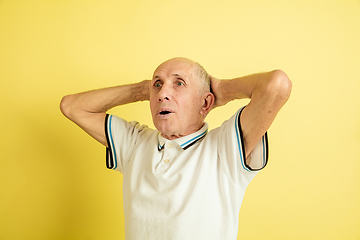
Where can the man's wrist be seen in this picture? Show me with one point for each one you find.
(140, 91)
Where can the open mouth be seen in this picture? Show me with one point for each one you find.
(164, 112)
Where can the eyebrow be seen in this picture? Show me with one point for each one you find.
(174, 74)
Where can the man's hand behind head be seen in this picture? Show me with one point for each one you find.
(215, 84)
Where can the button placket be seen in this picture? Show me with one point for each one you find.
(167, 155)
(167, 152)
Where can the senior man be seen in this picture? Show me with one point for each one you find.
(182, 181)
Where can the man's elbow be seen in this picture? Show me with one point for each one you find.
(65, 106)
(280, 85)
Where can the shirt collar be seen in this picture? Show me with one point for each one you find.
(186, 141)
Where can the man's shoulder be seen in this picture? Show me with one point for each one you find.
(116, 123)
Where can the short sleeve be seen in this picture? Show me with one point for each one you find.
(231, 152)
(121, 137)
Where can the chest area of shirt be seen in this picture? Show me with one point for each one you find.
(171, 161)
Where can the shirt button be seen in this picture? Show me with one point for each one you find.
(166, 161)
(169, 145)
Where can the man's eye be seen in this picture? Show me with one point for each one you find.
(179, 83)
(157, 84)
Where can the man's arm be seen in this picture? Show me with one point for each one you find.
(88, 109)
(268, 92)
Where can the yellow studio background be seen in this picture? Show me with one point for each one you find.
(53, 179)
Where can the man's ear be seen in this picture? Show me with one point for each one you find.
(208, 100)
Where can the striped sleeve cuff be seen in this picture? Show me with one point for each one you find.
(111, 158)
(258, 158)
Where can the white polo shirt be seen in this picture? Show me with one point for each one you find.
(188, 188)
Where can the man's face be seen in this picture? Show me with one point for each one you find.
(175, 99)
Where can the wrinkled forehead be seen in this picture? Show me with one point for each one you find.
(176, 66)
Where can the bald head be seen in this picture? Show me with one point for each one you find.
(200, 74)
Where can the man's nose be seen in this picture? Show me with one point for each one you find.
(165, 93)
